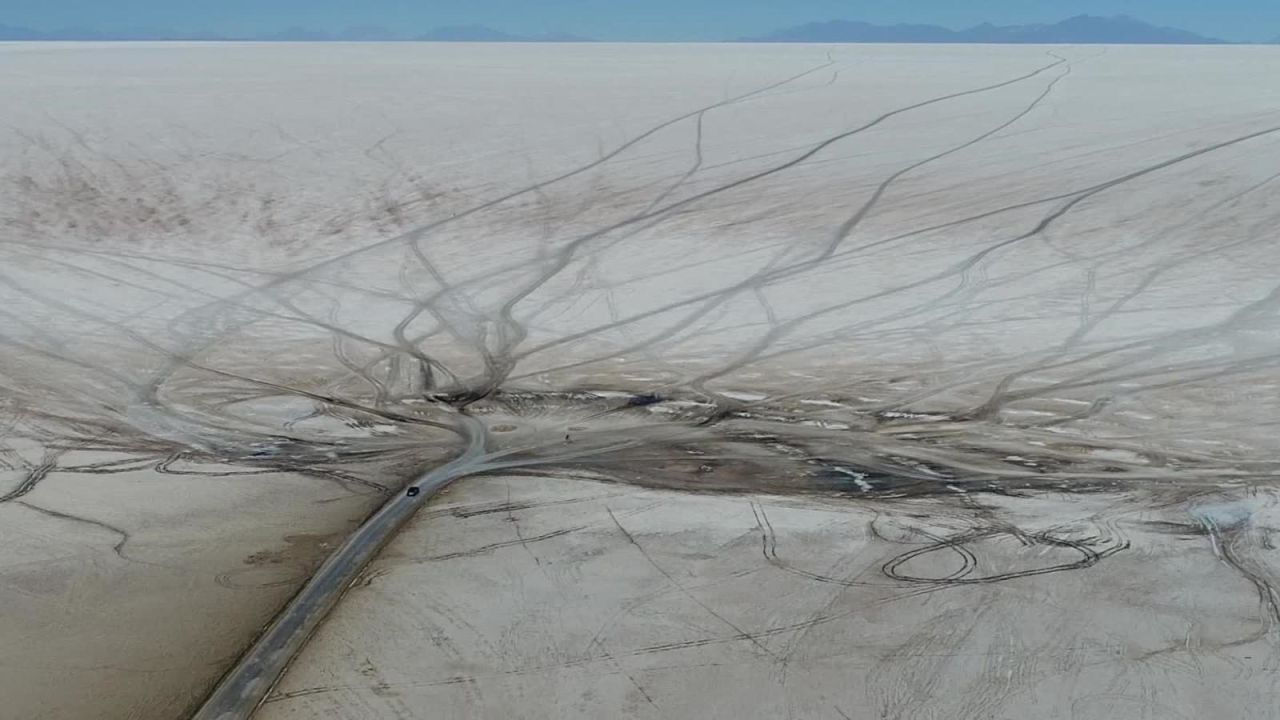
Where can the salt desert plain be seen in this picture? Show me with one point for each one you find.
(810, 381)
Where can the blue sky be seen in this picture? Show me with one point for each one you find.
(623, 19)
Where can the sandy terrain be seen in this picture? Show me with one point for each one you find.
(126, 595)
(840, 282)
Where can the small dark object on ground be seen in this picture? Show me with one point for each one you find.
(645, 399)
(413, 492)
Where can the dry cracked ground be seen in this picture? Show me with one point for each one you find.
(815, 382)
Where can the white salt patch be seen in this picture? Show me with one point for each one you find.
(825, 425)
(859, 479)
(1117, 455)
(611, 394)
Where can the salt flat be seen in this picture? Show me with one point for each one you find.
(1019, 300)
(536, 598)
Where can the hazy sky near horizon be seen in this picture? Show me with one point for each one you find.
(621, 19)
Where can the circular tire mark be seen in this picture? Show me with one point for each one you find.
(892, 569)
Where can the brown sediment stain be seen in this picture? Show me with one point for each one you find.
(308, 549)
(289, 565)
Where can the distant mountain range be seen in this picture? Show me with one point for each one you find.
(1082, 29)
(368, 33)
(10, 33)
(480, 33)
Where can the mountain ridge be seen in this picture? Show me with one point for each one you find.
(362, 33)
(1080, 29)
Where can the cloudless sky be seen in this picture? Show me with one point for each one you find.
(623, 19)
